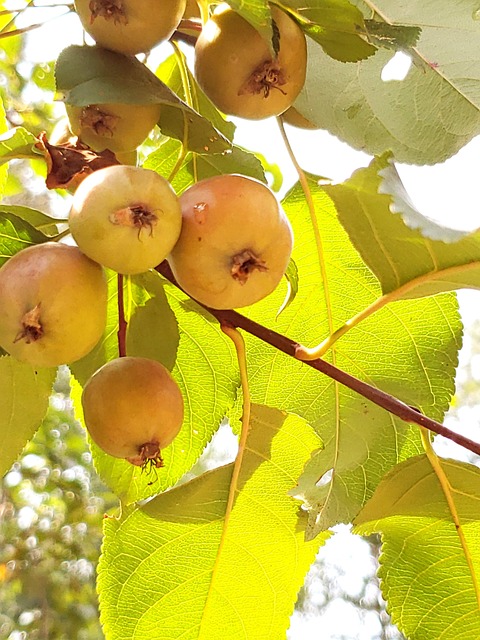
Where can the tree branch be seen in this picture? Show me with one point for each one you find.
(290, 347)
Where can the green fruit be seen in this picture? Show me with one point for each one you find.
(130, 26)
(235, 68)
(235, 243)
(54, 305)
(126, 218)
(118, 127)
(133, 409)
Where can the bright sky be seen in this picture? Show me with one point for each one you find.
(446, 192)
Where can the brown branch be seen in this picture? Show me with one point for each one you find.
(385, 400)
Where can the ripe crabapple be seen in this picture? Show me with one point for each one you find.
(54, 304)
(235, 67)
(235, 242)
(133, 409)
(130, 26)
(126, 218)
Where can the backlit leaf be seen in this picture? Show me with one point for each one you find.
(239, 575)
(430, 570)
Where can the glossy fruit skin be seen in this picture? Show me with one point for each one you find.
(118, 127)
(126, 218)
(227, 219)
(129, 403)
(69, 292)
(130, 26)
(230, 51)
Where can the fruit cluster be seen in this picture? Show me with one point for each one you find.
(226, 238)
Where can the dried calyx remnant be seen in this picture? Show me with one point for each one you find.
(244, 263)
(102, 122)
(267, 76)
(137, 215)
(148, 456)
(108, 9)
(32, 329)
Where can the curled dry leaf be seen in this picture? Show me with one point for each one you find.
(70, 163)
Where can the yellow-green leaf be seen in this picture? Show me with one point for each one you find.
(430, 564)
(178, 568)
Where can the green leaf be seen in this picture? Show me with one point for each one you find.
(181, 548)
(41, 221)
(23, 403)
(375, 210)
(92, 75)
(424, 118)
(257, 13)
(430, 570)
(17, 143)
(335, 25)
(291, 275)
(16, 233)
(198, 167)
(172, 72)
(392, 36)
(164, 325)
(362, 441)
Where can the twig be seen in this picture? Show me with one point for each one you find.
(290, 347)
(122, 323)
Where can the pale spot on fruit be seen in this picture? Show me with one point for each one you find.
(200, 212)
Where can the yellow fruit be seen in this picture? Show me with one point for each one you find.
(130, 26)
(118, 127)
(295, 119)
(234, 65)
(133, 409)
(54, 305)
(126, 218)
(235, 243)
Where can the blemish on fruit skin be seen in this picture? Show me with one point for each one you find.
(200, 212)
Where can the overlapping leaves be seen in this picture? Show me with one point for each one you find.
(414, 341)
(165, 326)
(430, 564)
(207, 571)
(424, 118)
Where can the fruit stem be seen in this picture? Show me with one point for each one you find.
(122, 323)
(237, 339)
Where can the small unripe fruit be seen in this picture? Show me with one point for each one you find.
(126, 218)
(130, 26)
(133, 409)
(235, 243)
(118, 127)
(54, 305)
(235, 68)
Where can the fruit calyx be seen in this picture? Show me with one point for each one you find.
(244, 263)
(102, 122)
(138, 216)
(32, 329)
(108, 9)
(267, 76)
(148, 456)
